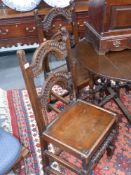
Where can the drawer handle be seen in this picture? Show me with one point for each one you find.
(116, 43)
(30, 30)
(4, 32)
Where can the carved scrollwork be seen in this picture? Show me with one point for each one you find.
(61, 79)
(53, 13)
(51, 46)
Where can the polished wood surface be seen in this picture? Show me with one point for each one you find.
(114, 65)
(109, 25)
(80, 126)
(107, 16)
(19, 27)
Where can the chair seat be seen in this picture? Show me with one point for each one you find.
(10, 149)
(91, 123)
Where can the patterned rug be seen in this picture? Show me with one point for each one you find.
(16, 116)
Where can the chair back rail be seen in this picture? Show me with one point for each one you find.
(67, 15)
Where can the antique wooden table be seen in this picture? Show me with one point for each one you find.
(112, 66)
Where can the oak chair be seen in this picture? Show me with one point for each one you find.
(84, 130)
(48, 27)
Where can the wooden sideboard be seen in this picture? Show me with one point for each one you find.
(19, 27)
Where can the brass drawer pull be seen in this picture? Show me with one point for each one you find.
(4, 32)
(30, 30)
(116, 43)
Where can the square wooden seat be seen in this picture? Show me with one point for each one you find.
(81, 130)
(82, 127)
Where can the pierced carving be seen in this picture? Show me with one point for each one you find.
(51, 46)
(53, 13)
(59, 78)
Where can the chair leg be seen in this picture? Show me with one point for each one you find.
(46, 160)
(46, 164)
(110, 150)
(86, 169)
(111, 147)
(54, 165)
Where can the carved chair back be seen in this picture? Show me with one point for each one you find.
(32, 70)
(54, 20)
(61, 48)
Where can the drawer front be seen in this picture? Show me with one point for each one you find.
(17, 29)
(116, 44)
(119, 44)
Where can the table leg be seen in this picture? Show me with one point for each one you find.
(120, 104)
(113, 95)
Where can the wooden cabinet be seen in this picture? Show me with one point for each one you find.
(17, 31)
(109, 24)
(19, 27)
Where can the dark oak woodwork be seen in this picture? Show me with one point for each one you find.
(111, 66)
(20, 27)
(109, 25)
(82, 129)
(115, 65)
(54, 20)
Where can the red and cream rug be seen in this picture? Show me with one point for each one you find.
(16, 116)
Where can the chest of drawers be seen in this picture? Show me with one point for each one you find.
(19, 27)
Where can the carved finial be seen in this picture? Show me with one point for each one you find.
(21, 54)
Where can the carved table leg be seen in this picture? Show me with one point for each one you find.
(120, 105)
(108, 91)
